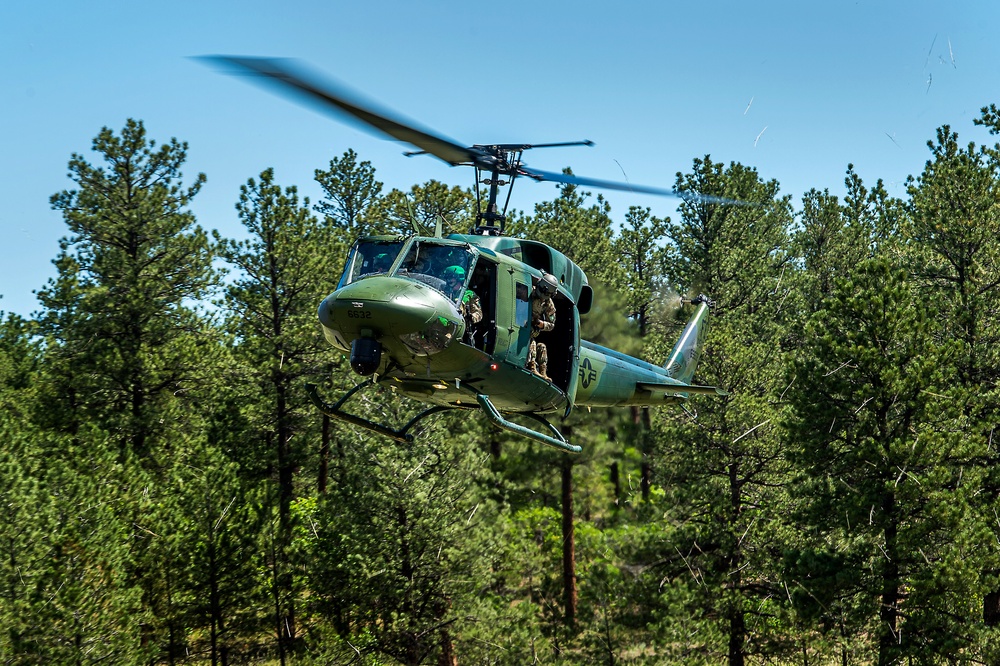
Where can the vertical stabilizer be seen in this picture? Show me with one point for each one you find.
(683, 359)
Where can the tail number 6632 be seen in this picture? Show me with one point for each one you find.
(359, 314)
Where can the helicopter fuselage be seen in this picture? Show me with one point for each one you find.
(427, 349)
(400, 322)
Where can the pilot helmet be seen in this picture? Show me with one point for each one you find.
(547, 285)
(456, 272)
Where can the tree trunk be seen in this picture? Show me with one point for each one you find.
(447, 657)
(640, 417)
(569, 539)
(737, 634)
(614, 472)
(324, 455)
(889, 638)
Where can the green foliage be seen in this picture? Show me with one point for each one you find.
(67, 594)
(122, 337)
(390, 553)
(424, 206)
(351, 189)
(878, 479)
(641, 256)
(581, 232)
(170, 497)
(724, 473)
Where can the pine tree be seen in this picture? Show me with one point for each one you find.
(581, 232)
(954, 256)
(272, 304)
(351, 189)
(127, 357)
(118, 315)
(880, 485)
(425, 205)
(394, 563)
(723, 473)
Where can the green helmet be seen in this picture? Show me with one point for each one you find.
(454, 271)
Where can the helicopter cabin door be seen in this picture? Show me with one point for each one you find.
(483, 335)
(561, 342)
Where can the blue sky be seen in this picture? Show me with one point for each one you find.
(797, 90)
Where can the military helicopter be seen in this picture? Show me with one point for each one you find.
(397, 310)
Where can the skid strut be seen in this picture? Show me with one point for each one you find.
(335, 411)
(558, 441)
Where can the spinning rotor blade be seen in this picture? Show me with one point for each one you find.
(625, 187)
(288, 76)
(330, 96)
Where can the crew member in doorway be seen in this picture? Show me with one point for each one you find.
(543, 318)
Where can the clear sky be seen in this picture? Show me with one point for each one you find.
(795, 89)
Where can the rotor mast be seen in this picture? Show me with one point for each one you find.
(502, 160)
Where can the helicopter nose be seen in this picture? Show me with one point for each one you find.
(389, 307)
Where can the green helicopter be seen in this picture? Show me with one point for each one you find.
(400, 309)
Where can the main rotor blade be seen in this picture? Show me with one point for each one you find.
(529, 146)
(330, 96)
(625, 187)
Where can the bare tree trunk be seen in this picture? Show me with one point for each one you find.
(640, 417)
(324, 455)
(569, 539)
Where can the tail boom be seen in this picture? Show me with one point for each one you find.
(608, 378)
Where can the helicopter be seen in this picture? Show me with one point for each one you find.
(397, 310)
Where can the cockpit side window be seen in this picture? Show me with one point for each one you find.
(370, 258)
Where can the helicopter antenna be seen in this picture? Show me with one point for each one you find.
(413, 218)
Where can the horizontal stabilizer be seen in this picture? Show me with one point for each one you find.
(680, 388)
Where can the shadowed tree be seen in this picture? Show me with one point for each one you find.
(723, 473)
(272, 305)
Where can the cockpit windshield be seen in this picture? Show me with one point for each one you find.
(443, 267)
(370, 257)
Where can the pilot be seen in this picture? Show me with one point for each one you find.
(380, 264)
(543, 318)
(383, 262)
(468, 304)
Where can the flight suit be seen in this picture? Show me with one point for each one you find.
(470, 308)
(543, 318)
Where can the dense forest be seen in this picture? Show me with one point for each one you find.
(170, 495)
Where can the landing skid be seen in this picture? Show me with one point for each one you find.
(334, 411)
(558, 441)
(403, 435)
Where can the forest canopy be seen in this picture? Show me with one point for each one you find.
(171, 495)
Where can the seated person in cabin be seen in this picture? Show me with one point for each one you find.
(468, 301)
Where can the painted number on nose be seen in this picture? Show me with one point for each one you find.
(359, 314)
